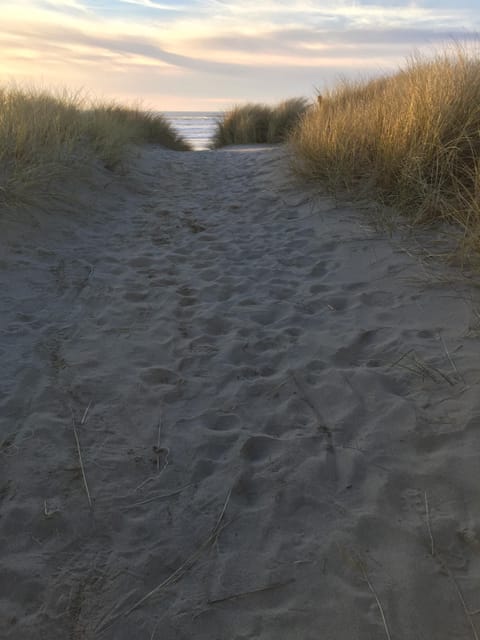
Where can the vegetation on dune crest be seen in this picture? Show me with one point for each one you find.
(44, 135)
(111, 128)
(410, 140)
(258, 123)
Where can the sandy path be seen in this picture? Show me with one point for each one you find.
(250, 425)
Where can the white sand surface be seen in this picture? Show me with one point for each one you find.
(277, 410)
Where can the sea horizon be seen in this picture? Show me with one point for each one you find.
(196, 127)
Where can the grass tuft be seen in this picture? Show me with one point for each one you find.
(44, 135)
(258, 123)
(410, 140)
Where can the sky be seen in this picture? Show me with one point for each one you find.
(206, 55)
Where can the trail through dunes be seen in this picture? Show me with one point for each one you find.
(232, 410)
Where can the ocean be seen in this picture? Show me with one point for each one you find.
(196, 127)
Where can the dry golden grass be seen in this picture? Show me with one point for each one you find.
(411, 140)
(45, 135)
(258, 123)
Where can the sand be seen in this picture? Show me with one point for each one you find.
(231, 409)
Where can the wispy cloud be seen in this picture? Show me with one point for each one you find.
(305, 41)
(150, 4)
(62, 5)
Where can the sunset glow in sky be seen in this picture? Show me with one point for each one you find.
(208, 54)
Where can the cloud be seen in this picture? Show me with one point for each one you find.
(62, 6)
(150, 4)
(303, 41)
(343, 14)
(221, 46)
(69, 39)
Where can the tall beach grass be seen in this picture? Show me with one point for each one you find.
(258, 123)
(44, 135)
(410, 140)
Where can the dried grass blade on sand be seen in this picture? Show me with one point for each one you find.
(180, 571)
(156, 497)
(80, 459)
(189, 562)
(430, 533)
(377, 599)
(268, 587)
(84, 417)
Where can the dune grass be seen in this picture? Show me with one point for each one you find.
(410, 140)
(258, 123)
(44, 135)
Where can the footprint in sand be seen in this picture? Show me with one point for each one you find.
(258, 449)
(160, 376)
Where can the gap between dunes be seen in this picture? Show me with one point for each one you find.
(230, 409)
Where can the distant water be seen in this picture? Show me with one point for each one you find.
(196, 127)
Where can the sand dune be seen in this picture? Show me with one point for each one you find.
(276, 409)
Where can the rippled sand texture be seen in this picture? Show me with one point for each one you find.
(276, 409)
